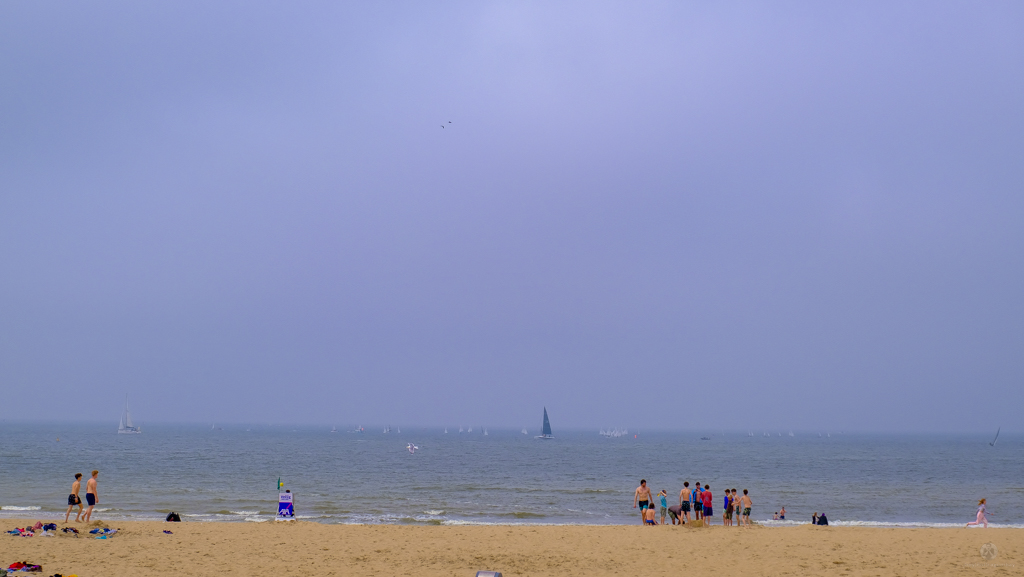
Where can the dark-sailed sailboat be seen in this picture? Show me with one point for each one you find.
(546, 432)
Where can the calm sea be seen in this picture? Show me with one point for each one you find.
(231, 474)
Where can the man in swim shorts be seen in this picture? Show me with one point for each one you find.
(698, 503)
(684, 501)
(746, 503)
(74, 499)
(782, 514)
(642, 497)
(708, 512)
(91, 496)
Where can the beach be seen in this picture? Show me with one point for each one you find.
(141, 549)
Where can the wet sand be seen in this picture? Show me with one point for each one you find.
(141, 549)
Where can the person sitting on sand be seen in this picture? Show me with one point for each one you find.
(822, 519)
(982, 519)
(814, 518)
(649, 516)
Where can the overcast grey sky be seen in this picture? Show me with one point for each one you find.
(639, 214)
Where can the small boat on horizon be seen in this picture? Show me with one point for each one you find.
(125, 426)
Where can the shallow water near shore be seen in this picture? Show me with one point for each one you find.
(230, 474)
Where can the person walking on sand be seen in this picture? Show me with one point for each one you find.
(746, 503)
(982, 519)
(91, 496)
(663, 510)
(74, 499)
(642, 497)
(684, 501)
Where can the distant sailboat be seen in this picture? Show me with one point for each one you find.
(524, 431)
(993, 443)
(546, 431)
(334, 429)
(446, 430)
(125, 427)
(469, 430)
(485, 432)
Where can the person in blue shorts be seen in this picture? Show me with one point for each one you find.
(708, 512)
(642, 497)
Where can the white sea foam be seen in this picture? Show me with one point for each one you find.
(433, 512)
(17, 508)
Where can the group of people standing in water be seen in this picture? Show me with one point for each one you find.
(698, 500)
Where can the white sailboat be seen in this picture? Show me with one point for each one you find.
(126, 427)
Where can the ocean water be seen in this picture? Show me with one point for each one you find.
(231, 474)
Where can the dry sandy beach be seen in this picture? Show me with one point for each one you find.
(301, 548)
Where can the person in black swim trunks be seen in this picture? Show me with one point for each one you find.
(91, 496)
(684, 501)
(642, 497)
(74, 499)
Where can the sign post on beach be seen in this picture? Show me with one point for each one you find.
(286, 505)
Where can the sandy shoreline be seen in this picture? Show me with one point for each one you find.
(306, 548)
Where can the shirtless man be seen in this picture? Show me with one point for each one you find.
(684, 501)
(746, 503)
(698, 507)
(642, 497)
(74, 499)
(91, 496)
